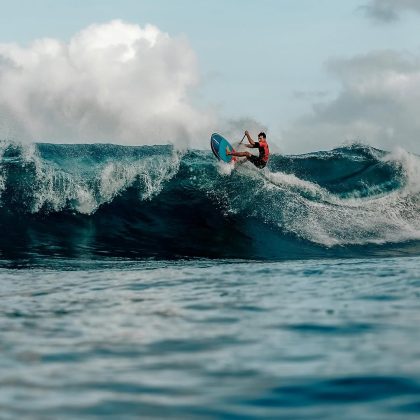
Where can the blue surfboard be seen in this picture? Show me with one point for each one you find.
(219, 144)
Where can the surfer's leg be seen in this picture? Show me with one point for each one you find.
(238, 154)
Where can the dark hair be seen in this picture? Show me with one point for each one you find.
(262, 134)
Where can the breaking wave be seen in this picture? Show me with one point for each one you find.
(95, 200)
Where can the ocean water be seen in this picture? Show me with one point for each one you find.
(143, 282)
(211, 339)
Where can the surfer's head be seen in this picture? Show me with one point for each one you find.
(261, 136)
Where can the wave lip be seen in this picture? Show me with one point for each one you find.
(152, 201)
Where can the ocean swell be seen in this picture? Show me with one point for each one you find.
(92, 200)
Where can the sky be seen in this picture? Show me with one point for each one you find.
(313, 73)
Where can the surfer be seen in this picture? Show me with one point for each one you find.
(262, 146)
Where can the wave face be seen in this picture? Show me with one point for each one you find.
(154, 202)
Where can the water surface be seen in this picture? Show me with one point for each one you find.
(211, 339)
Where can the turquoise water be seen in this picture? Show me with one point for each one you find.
(335, 338)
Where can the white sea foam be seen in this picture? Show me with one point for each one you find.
(311, 212)
(225, 169)
(152, 172)
(54, 189)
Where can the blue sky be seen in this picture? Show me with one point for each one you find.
(263, 59)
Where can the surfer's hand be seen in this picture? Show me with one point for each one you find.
(246, 133)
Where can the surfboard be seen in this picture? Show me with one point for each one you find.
(218, 145)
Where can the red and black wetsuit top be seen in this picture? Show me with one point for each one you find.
(261, 160)
(263, 149)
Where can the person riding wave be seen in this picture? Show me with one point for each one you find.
(262, 146)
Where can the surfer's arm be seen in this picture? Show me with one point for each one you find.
(252, 142)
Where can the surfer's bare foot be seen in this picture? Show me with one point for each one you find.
(228, 152)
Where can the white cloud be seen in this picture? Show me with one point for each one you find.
(113, 82)
(379, 104)
(390, 10)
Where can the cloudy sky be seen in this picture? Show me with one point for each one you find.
(313, 73)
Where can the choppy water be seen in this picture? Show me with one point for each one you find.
(211, 339)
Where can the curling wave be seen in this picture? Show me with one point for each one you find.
(152, 201)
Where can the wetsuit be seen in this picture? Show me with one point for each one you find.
(261, 160)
